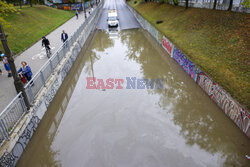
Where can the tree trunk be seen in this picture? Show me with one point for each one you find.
(17, 81)
(175, 3)
(186, 4)
(20, 4)
(230, 5)
(30, 3)
(215, 3)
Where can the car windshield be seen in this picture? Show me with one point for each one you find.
(112, 19)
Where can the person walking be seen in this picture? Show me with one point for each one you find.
(6, 64)
(64, 36)
(46, 43)
(77, 13)
(25, 70)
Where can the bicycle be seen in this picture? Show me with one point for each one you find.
(48, 51)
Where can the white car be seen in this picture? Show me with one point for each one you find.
(112, 18)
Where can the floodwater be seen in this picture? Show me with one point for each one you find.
(177, 125)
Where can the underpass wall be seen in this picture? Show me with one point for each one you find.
(12, 150)
(234, 110)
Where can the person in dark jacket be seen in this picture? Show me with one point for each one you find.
(46, 43)
(26, 71)
(64, 36)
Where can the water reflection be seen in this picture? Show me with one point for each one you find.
(103, 42)
(201, 123)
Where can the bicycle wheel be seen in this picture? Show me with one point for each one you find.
(47, 52)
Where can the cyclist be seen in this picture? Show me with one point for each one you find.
(45, 43)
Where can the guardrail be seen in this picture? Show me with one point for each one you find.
(16, 109)
(11, 116)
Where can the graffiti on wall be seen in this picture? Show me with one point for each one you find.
(186, 64)
(10, 159)
(231, 108)
(167, 45)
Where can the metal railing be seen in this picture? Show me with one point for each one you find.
(16, 109)
(11, 116)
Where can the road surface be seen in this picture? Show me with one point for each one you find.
(126, 18)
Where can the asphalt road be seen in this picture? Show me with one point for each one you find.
(126, 18)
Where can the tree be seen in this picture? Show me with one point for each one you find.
(30, 3)
(186, 4)
(176, 2)
(17, 81)
(6, 9)
(246, 3)
(20, 3)
(230, 5)
(215, 3)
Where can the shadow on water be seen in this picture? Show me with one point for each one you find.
(200, 123)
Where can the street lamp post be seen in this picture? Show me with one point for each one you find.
(17, 82)
(85, 15)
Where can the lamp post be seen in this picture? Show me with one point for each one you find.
(85, 15)
(17, 82)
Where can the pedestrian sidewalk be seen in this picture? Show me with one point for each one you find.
(35, 56)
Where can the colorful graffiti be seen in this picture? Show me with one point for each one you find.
(167, 45)
(76, 6)
(231, 107)
(186, 64)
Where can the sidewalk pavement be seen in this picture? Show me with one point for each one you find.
(35, 56)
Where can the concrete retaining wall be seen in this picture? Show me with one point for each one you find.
(12, 150)
(235, 111)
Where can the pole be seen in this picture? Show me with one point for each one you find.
(17, 82)
(20, 4)
(84, 9)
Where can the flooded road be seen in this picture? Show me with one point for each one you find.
(174, 125)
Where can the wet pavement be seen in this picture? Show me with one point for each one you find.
(175, 125)
(126, 18)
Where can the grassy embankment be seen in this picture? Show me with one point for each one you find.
(217, 41)
(31, 24)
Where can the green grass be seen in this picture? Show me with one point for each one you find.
(31, 24)
(217, 41)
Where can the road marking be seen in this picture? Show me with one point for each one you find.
(42, 55)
